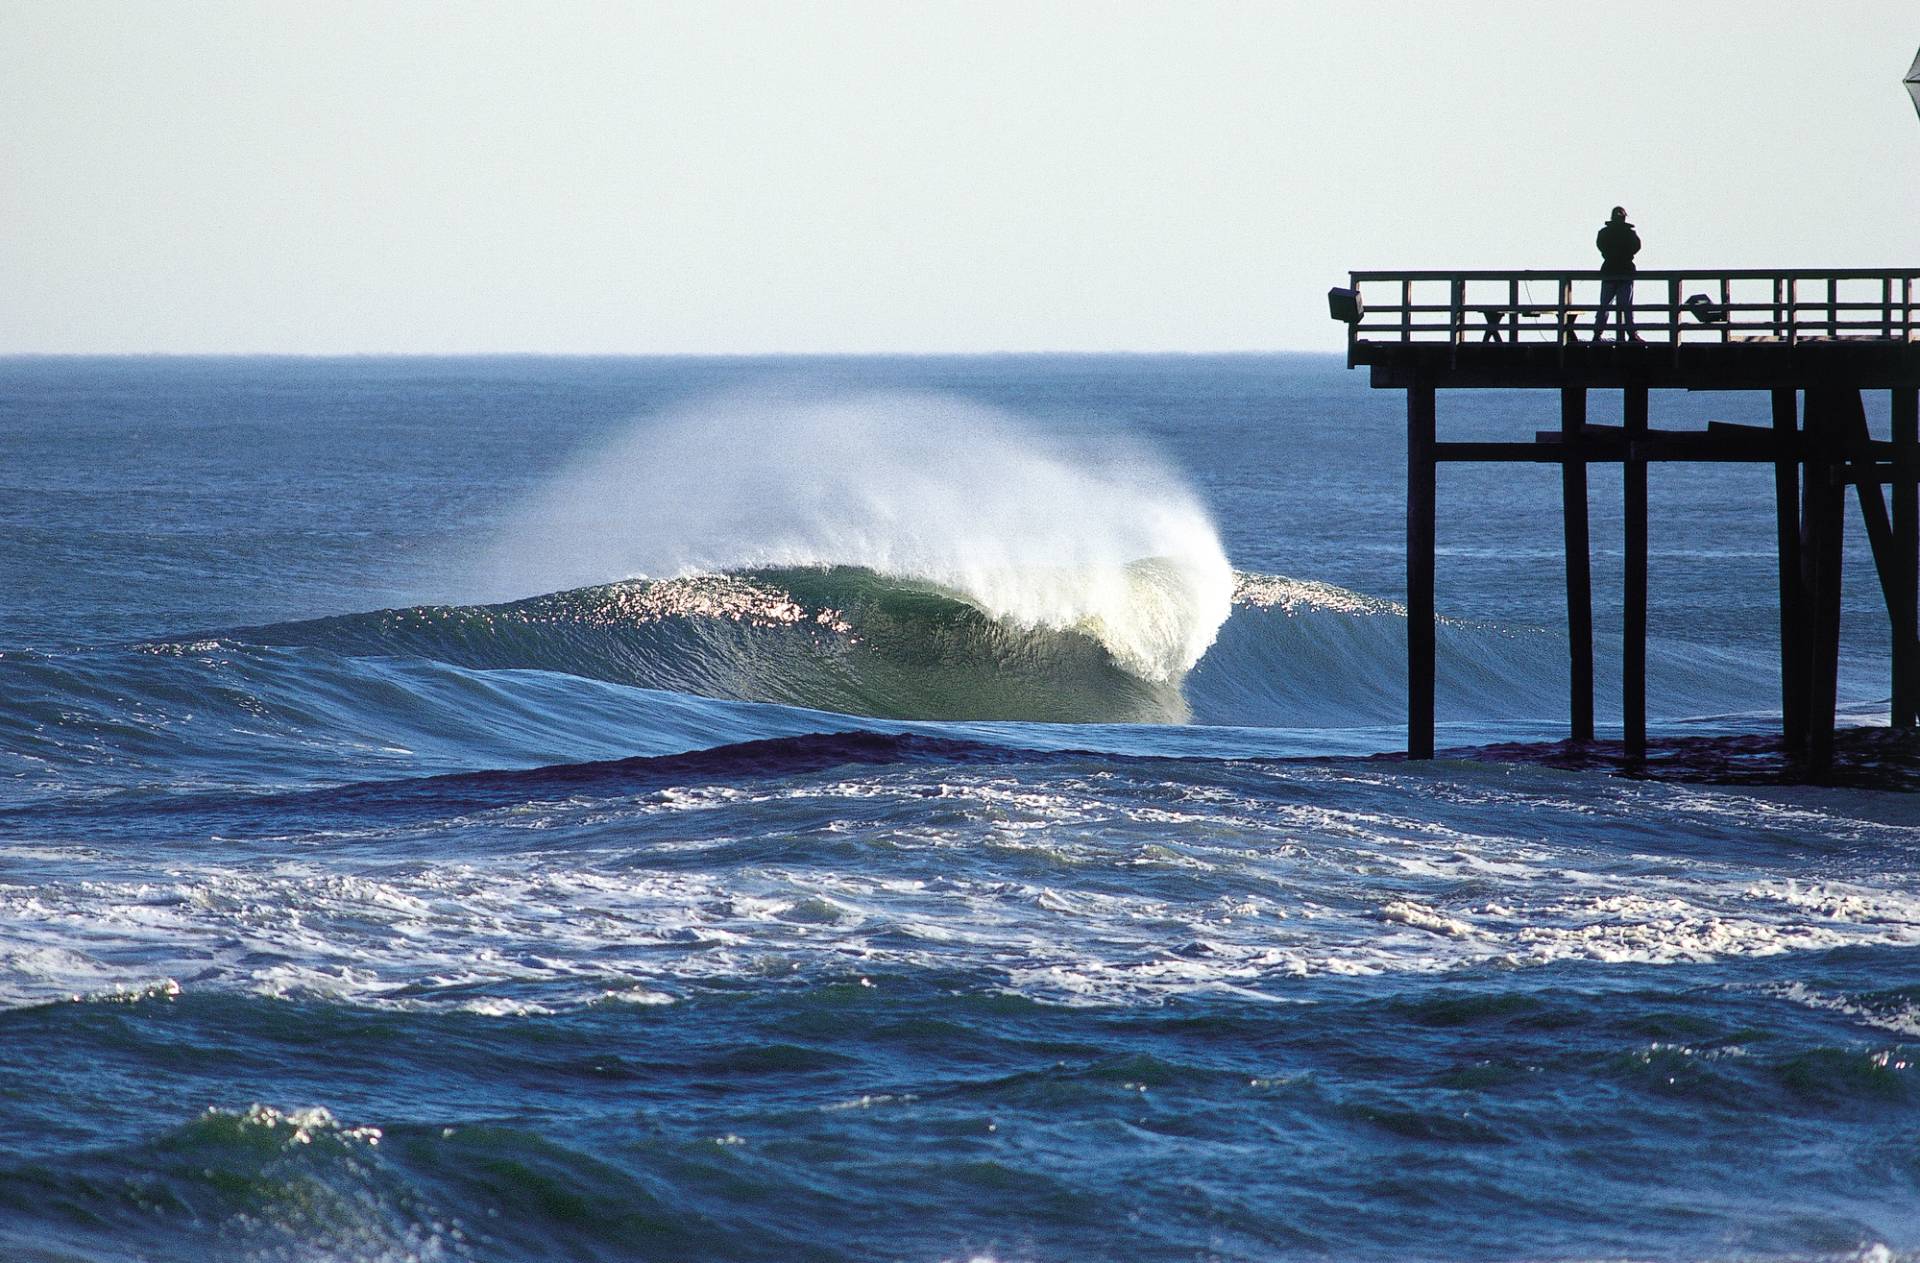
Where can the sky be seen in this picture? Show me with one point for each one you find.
(902, 176)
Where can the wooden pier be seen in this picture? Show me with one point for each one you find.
(1813, 341)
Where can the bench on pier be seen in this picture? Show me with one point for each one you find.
(1497, 316)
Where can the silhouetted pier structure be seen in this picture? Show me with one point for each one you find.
(1814, 340)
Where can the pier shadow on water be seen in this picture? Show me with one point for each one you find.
(1863, 758)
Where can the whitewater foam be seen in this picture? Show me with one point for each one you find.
(1239, 878)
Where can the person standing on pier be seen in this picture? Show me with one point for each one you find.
(1618, 244)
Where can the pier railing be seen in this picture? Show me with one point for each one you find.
(1728, 305)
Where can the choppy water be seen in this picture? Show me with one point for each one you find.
(895, 809)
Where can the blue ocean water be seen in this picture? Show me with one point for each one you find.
(914, 808)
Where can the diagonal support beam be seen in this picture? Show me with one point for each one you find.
(1889, 559)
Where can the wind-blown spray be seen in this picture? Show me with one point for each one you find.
(1039, 533)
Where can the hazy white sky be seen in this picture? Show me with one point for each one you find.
(900, 176)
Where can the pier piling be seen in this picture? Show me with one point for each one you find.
(1906, 542)
(1420, 550)
(1794, 646)
(1579, 552)
(1822, 537)
(1633, 643)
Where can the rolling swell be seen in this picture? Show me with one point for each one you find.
(1291, 654)
(559, 678)
(1490, 1088)
(651, 668)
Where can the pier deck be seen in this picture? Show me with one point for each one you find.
(1812, 340)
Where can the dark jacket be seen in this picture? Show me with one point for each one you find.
(1618, 244)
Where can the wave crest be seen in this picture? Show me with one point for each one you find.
(1041, 534)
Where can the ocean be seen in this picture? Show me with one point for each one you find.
(902, 809)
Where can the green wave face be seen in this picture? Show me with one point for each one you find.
(840, 639)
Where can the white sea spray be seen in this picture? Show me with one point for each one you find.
(1106, 540)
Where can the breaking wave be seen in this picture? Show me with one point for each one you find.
(840, 639)
(940, 498)
(1293, 653)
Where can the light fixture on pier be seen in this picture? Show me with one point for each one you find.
(1913, 82)
(1344, 305)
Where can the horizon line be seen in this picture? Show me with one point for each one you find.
(656, 355)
